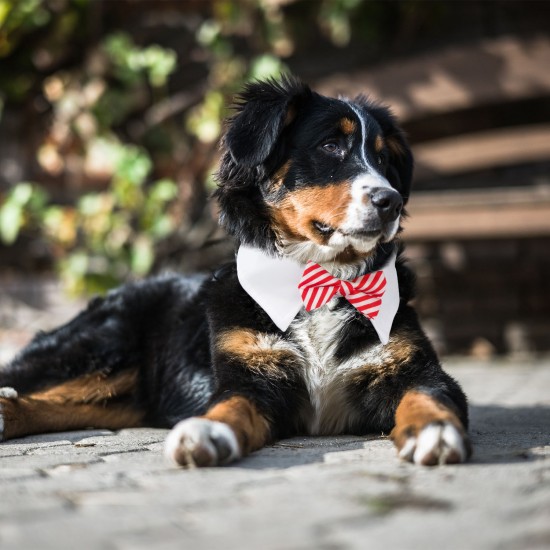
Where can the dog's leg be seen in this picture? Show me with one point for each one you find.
(261, 365)
(89, 401)
(129, 358)
(229, 430)
(403, 390)
(428, 432)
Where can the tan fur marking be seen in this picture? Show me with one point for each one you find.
(250, 427)
(279, 177)
(290, 115)
(294, 215)
(401, 349)
(415, 411)
(389, 360)
(347, 126)
(91, 388)
(379, 144)
(260, 352)
(26, 416)
(82, 403)
(394, 145)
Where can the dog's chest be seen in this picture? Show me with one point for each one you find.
(326, 377)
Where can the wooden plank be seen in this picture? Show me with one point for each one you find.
(496, 213)
(468, 152)
(451, 78)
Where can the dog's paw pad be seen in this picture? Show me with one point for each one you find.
(436, 443)
(8, 393)
(202, 442)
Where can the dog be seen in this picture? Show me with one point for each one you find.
(308, 332)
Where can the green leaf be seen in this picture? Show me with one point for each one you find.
(77, 263)
(160, 63)
(266, 66)
(163, 191)
(162, 226)
(21, 194)
(205, 119)
(133, 165)
(11, 221)
(22, 198)
(91, 204)
(208, 32)
(142, 255)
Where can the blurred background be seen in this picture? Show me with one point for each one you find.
(110, 114)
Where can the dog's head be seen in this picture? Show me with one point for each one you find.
(312, 177)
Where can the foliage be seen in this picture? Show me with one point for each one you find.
(125, 126)
(24, 202)
(107, 235)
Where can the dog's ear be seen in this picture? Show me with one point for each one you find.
(264, 109)
(400, 166)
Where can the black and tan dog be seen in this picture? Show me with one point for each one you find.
(304, 178)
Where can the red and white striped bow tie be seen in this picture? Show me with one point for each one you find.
(318, 287)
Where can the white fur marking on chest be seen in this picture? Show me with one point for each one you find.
(318, 334)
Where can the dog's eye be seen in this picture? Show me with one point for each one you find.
(332, 148)
(381, 159)
(323, 228)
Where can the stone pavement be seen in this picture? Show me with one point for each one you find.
(115, 491)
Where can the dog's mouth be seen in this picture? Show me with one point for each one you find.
(327, 231)
(342, 242)
(367, 234)
(338, 248)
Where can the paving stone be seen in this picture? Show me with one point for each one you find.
(115, 490)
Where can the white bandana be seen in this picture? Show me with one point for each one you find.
(273, 284)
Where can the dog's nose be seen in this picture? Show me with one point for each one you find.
(388, 203)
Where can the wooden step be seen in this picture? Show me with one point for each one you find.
(482, 150)
(483, 213)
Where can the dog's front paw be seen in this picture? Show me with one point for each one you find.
(7, 396)
(438, 442)
(202, 442)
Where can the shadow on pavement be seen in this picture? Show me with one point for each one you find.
(301, 451)
(505, 434)
(500, 435)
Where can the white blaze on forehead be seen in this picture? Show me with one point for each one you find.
(360, 185)
(363, 138)
(371, 177)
